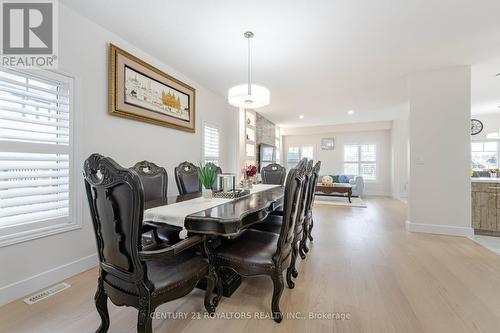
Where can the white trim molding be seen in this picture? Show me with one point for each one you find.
(36, 282)
(449, 230)
(368, 193)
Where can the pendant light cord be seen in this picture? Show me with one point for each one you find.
(249, 81)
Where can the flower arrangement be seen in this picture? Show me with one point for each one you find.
(249, 171)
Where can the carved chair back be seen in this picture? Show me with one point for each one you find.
(187, 180)
(312, 186)
(154, 180)
(116, 203)
(293, 188)
(301, 212)
(273, 174)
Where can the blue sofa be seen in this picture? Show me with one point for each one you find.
(357, 182)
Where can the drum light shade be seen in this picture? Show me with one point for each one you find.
(238, 96)
(248, 95)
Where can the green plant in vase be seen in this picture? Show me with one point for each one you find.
(207, 174)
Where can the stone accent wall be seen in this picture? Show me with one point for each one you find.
(265, 132)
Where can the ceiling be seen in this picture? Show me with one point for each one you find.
(319, 58)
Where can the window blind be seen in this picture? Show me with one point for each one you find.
(361, 160)
(295, 154)
(211, 144)
(35, 148)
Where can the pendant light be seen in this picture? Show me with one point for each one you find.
(251, 96)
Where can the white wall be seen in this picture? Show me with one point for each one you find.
(440, 198)
(332, 160)
(83, 52)
(400, 158)
(341, 128)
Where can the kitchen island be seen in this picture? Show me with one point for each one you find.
(486, 205)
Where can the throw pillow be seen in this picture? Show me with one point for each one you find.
(343, 179)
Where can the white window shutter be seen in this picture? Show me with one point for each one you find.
(211, 147)
(35, 148)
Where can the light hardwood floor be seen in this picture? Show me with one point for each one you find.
(362, 262)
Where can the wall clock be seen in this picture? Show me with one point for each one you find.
(476, 126)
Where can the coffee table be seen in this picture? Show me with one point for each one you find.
(336, 188)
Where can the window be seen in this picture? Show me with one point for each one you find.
(295, 154)
(361, 160)
(36, 155)
(211, 151)
(484, 155)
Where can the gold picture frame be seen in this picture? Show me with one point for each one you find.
(142, 92)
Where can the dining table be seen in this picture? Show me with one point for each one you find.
(216, 218)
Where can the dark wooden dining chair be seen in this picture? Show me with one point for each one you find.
(186, 178)
(129, 274)
(258, 252)
(273, 174)
(273, 223)
(154, 181)
(300, 225)
(309, 221)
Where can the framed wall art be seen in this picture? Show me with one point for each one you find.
(327, 143)
(142, 92)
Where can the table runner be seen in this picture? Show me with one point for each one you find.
(175, 214)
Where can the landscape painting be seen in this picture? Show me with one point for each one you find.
(150, 94)
(142, 92)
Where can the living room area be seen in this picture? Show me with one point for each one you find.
(370, 157)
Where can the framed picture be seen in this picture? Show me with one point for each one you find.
(327, 143)
(142, 92)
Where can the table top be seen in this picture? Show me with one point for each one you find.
(484, 180)
(229, 218)
(171, 199)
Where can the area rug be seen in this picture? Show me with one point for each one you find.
(339, 201)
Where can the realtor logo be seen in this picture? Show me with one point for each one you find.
(29, 33)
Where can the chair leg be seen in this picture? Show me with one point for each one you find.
(278, 287)
(101, 303)
(144, 320)
(218, 284)
(309, 231)
(291, 270)
(303, 241)
(301, 251)
(213, 280)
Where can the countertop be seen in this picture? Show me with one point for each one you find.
(484, 180)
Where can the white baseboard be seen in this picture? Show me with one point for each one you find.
(440, 229)
(27, 286)
(376, 194)
(400, 197)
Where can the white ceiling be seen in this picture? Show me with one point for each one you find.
(319, 58)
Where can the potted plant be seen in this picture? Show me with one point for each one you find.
(249, 172)
(207, 174)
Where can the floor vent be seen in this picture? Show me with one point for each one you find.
(46, 293)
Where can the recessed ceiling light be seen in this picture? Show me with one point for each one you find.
(350, 112)
(498, 75)
(301, 116)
